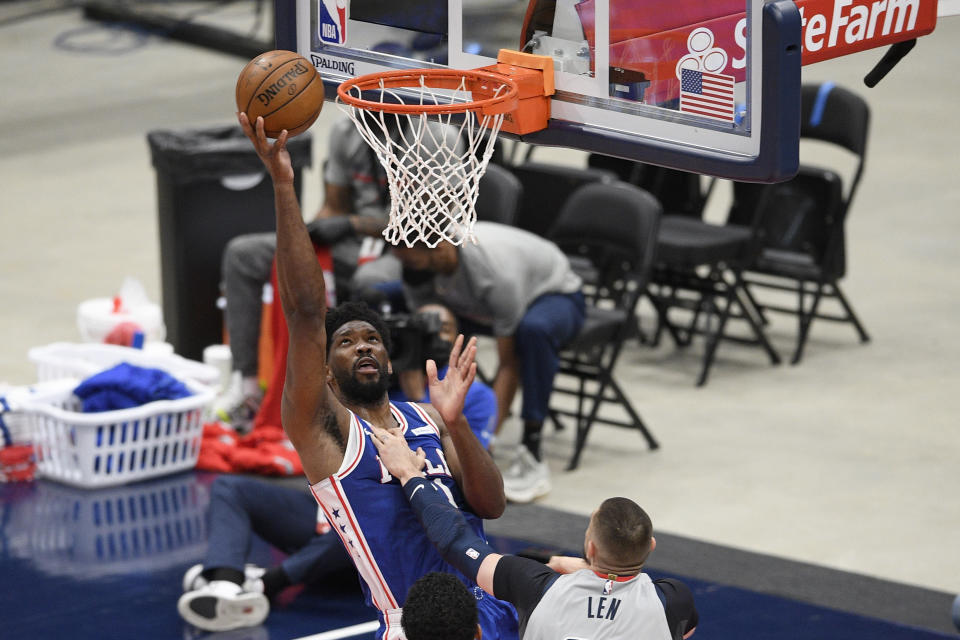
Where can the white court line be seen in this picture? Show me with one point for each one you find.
(345, 632)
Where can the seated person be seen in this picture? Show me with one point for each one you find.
(522, 288)
(226, 593)
(604, 595)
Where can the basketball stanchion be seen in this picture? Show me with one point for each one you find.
(434, 131)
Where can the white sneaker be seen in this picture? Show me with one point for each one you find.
(252, 574)
(238, 405)
(526, 479)
(222, 605)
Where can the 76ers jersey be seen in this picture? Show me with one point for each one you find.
(367, 508)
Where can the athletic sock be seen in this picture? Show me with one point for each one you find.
(275, 580)
(224, 573)
(531, 437)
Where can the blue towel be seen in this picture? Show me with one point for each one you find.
(125, 386)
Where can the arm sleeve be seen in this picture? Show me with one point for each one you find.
(522, 582)
(446, 527)
(678, 603)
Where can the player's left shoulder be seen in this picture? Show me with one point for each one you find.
(432, 414)
(418, 419)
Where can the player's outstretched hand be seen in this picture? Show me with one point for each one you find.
(447, 395)
(273, 155)
(402, 462)
(567, 564)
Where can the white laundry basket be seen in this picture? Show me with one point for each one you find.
(110, 448)
(81, 360)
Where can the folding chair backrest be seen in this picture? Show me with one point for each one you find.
(614, 227)
(836, 115)
(679, 192)
(546, 187)
(806, 214)
(498, 195)
(802, 216)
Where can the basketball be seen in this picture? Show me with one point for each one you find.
(284, 88)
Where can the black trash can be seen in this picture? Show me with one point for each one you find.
(211, 187)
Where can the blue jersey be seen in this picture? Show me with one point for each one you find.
(367, 508)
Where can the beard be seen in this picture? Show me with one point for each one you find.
(363, 393)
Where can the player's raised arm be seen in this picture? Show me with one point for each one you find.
(310, 411)
(471, 464)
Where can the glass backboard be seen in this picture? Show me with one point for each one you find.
(710, 87)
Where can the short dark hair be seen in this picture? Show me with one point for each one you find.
(350, 311)
(439, 607)
(622, 532)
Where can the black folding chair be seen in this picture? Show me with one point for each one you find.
(699, 269)
(803, 240)
(679, 192)
(609, 231)
(546, 188)
(498, 195)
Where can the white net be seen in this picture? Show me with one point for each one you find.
(433, 161)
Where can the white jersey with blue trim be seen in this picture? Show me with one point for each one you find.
(367, 508)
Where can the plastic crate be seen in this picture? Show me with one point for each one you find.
(109, 448)
(82, 360)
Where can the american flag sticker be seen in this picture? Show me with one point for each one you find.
(706, 94)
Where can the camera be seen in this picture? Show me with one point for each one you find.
(414, 339)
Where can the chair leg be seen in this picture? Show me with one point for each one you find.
(715, 337)
(754, 323)
(864, 336)
(584, 424)
(706, 300)
(637, 420)
(755, 304)
(806, 319)
(582, 430)
(555, 419)
(663, 320)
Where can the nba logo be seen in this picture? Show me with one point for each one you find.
(333, 21)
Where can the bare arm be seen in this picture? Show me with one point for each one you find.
(471, 465)
(507, 378)
(567, 564)
(308, 406)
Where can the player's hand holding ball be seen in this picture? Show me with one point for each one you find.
(284, 88)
